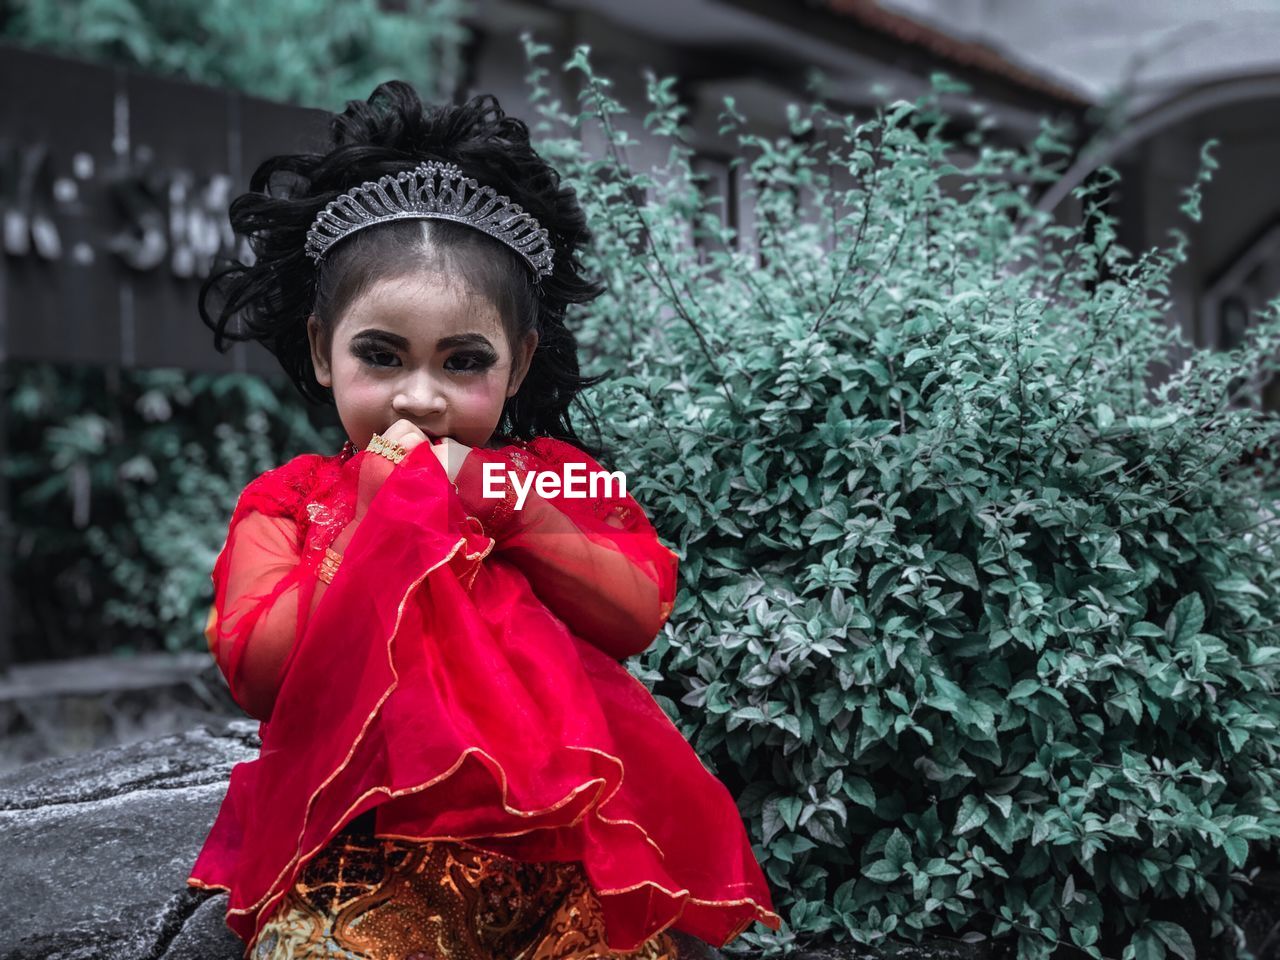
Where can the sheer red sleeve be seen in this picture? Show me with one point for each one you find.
(595, 561)
(254, 616)
(282, 548)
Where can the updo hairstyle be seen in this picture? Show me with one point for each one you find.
(270, 300)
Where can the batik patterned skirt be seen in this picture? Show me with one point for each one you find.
(374, 898)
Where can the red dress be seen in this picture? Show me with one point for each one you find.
(455, 665)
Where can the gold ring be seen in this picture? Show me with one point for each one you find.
(386, 448)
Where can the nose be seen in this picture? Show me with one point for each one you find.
(418, 398)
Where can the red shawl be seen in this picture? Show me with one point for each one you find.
(424, 676)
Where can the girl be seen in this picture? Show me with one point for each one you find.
(454, 762)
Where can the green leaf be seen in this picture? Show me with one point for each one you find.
(1145, 628)
(1174, 937)
(860, 792)
(1264, 655)
(1003, 803)
(1025, 688)
(1186, 620)
(917, 354)
(882, 871)
(1239, 585)
(789, 808)
(972, 815)
(1146, 946)
(960, 569)
(1236, 849)
(897, 850)
(1084, 936)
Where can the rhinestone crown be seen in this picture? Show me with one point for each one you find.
(431, 191)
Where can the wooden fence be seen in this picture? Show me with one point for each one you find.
(114, 186)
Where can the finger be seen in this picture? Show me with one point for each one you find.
(401, 429)
(404, 433)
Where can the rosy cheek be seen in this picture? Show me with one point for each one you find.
(495, 393)
(480, 393)
(357, 387)
(366, 391)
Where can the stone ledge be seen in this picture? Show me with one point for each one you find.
(96, 848)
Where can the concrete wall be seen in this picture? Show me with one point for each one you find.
(1241, 205)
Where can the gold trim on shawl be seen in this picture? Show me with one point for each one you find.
(306, 816)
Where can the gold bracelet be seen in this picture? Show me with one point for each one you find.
(392, 451)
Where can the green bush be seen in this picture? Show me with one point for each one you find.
(980, 611)
(148, 487)
(310, 52)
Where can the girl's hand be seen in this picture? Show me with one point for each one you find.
(404, 433)
(448, 451)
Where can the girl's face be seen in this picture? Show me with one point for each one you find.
(422, 349)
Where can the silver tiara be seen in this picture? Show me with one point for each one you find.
(415, 194)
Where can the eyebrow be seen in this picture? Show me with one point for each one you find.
(444, 343)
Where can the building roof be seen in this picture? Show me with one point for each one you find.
(971, 57)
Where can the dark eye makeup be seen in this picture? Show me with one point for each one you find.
(464, 361)
(476, 360)
(373, 357)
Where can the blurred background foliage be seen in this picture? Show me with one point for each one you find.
(123, 479)
(313, 53)
(123, 483)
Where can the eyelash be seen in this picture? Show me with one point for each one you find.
(481, 361)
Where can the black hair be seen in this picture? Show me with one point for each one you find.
(393, 131)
